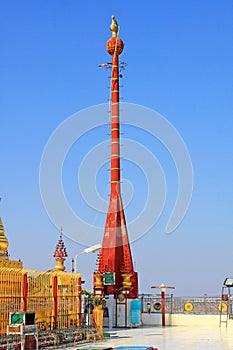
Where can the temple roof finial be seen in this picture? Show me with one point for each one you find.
(60, 254)
(3, 242)
(114, 26)
(114, 45)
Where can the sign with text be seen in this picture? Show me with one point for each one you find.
(109, 278)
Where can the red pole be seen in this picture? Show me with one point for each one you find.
(163, 308)
(24, 292)
(115, 253)
(79, 292)
(115, 156)
(163, 288)
(55, 306)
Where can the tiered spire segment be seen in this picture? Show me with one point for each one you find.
(3, 242)
(4, 255)
(60, 254)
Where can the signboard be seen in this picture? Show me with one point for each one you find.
(16, 318)
(109, 278)
(25, 318)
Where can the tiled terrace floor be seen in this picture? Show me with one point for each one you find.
(169, 338)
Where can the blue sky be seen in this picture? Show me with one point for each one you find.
(179, 63)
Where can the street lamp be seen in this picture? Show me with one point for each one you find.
(163, 288)
(93, 249)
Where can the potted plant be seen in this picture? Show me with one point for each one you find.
(98, 300)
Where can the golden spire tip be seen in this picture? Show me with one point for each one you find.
(114, 26)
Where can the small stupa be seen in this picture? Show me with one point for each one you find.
(60, 254)
(4, 255)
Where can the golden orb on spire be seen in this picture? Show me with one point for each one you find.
(114, 26)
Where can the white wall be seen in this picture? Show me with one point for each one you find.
(154, 319)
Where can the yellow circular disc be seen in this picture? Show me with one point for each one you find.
(121, 297)
(222, 307)
(188, 306)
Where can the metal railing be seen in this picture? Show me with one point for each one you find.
(187, 305)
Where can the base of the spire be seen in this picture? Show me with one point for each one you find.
(115, 255)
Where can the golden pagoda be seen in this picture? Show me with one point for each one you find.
(54, 296)
(4, 256)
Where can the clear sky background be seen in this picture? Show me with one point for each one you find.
(179, 56)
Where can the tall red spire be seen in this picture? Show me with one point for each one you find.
(115, 255)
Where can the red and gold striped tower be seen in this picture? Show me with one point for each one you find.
(115, 255)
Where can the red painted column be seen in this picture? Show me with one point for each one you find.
(55, 304)
(79, 292)
(163, 288)
(24, 292)
(115, 151)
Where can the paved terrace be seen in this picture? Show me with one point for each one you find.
(169, 338)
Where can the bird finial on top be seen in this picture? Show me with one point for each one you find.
(114, 26)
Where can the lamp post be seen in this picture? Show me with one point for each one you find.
(93, 249)
(163, 288)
